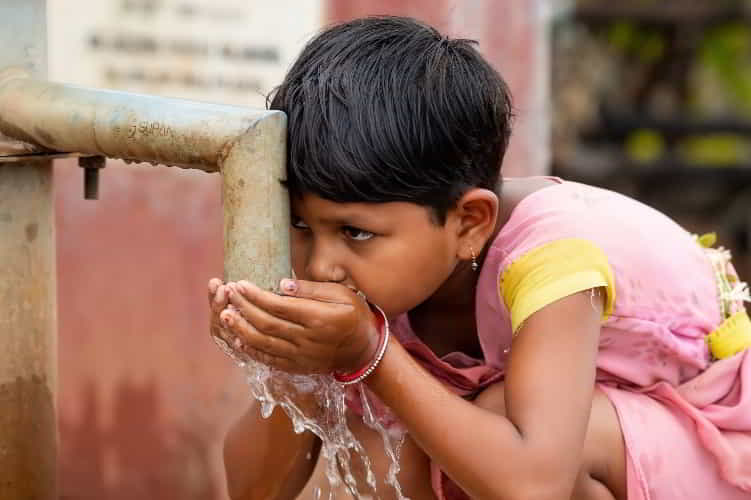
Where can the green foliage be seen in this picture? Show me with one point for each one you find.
(645, 146)
(645, 44)
(727, 51)
(716, 149)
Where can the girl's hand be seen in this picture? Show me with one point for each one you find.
(313, 328)
(218, 301)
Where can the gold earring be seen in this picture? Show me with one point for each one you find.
(474, 259)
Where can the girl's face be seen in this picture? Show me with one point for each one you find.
(393, 251)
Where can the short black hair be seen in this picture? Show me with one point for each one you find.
(388, 109)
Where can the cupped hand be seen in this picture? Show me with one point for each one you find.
(226, 340)
(313, 327)
(218, 301)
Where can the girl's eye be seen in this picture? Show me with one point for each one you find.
(298, 223)
(357, 234)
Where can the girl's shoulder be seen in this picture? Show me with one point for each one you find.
(556, 209)
(567, 237)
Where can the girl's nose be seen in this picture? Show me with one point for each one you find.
(322, 265)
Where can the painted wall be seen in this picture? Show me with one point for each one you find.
(144, 395)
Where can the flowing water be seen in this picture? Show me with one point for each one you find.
(339, 446)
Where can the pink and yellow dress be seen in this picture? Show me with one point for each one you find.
(673, 355)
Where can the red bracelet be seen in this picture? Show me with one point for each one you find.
(364, 372)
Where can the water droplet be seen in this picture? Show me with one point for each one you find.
(298, 427)
(267, 409)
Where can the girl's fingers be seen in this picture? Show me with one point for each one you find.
(223, 343)
(213, 287)
(262, 320)
(218, 300)
(225, 335)
(272, 345)
(299, 311)
(316, 290)
(267, 359)
(214, 283)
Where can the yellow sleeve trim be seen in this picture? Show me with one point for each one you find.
(552, 272)
(731, 337)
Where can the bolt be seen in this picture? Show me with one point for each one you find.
(91, 166)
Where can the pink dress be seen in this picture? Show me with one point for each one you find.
(686, 419)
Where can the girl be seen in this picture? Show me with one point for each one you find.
(547, 340)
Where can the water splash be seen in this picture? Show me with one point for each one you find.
(339, 446)
(392, 442)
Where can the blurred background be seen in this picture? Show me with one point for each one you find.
(648, 97)
(653, 99)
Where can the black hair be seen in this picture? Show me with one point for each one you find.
(387, 109)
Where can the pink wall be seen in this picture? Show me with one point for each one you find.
(144, 396)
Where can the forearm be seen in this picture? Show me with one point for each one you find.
(483, 452)
(265, 460)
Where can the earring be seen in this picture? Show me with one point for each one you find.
(474, 259)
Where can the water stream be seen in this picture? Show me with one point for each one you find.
(339, 446)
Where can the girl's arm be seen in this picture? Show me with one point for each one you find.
(265, 459)
(533, 453)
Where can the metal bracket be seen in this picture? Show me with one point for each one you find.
(37, 157)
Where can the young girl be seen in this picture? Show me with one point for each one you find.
(547, 340)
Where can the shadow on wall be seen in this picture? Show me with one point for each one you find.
(109, 461)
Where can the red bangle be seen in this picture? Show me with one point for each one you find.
(365, 371)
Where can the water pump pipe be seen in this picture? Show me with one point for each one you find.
(246, 146)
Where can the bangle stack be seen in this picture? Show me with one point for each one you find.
(364, 372)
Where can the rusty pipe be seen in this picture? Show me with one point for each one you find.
(145, 128)
(28, 339)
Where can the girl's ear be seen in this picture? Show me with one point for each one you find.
(475, 216)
